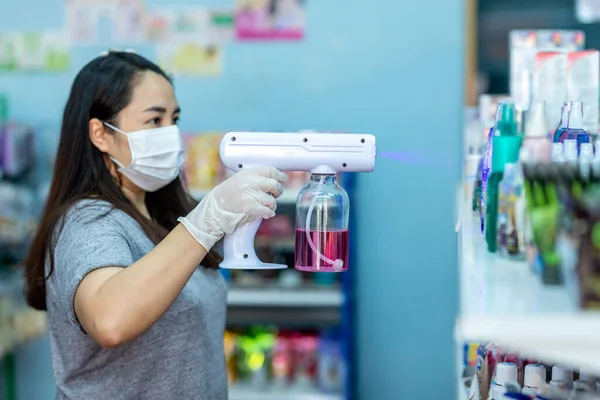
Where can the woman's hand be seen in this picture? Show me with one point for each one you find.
(245, 197)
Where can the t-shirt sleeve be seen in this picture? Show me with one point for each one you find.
(90, 238)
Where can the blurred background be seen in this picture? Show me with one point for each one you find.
(401, 70)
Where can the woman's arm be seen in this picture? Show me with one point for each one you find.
(116, 305)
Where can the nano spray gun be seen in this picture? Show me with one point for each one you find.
(323, 206)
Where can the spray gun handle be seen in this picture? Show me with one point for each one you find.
(238, 249)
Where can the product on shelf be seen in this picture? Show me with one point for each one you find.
(583, 80)
(18, 210)
(18, 323)
(505, 149)
(524, 45)
(17, 150)
(508, 375)
(511, 210)
(573, 128)
(204, 169)
(263, 358)
(486, 165)
(550, 83)
(537, 142)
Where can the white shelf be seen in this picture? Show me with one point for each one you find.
(288, 196)
(275, 297)
(252, 394)
(504, 301)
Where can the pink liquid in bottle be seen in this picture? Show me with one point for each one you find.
(331, 244)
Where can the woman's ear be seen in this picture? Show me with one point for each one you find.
(99, 135)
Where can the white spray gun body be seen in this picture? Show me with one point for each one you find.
(318, 153)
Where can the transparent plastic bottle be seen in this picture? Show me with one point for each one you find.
(322, 213)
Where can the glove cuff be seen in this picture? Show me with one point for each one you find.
(205, 239)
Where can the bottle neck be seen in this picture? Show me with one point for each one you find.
(575, 121)
(564, 120)
(324, 179)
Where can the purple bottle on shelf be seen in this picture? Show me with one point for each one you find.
(564, 120)
(574, 127)
(487, 156)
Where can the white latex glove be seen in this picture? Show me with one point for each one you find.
(244, 197)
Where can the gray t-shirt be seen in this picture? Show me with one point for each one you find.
(180, 357)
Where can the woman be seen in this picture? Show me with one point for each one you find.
(115, 261)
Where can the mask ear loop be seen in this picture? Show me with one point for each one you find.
(336, 264)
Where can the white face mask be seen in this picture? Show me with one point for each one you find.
(157, 156)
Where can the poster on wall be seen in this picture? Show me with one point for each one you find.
(190, 58)
(222, 25)
(34, 51)
(92, 22)
(270, 19)
(587, 11)
(195, 24)
(169, 24)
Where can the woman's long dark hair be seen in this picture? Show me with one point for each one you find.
(101, 90)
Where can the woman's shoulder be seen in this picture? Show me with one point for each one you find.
(91, 210)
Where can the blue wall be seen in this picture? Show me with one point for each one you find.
(392, 68)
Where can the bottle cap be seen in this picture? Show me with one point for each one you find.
(506, 372)
(586, 152)
(564, 119)
(557, 152)
(588, 376)
(562, 373)
(570, 150)
(576, 115)
(582, 386)
(535, 375)
(536, 120)
(508, 124)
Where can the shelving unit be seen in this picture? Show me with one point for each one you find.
(285, 298)
(293, 307)
(305, 306)
(252, 394)
(503, 301)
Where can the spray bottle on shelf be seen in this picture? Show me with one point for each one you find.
(488, 151)
(564, 121)
(536, 139)
(506, 145)
(574, 129)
